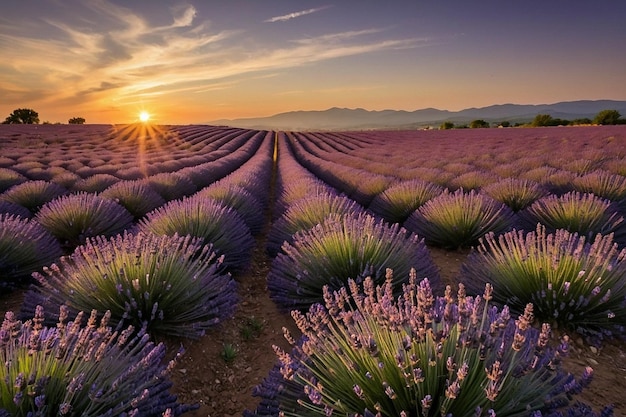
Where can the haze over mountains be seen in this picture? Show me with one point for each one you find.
(356, 119)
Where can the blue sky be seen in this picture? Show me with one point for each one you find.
(197, 61)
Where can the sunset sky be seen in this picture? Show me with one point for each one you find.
(203, 60)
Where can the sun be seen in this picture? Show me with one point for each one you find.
(144, 116)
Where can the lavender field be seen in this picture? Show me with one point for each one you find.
(215, 238)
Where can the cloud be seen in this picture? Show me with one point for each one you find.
(117, 55)
(186, 16)
(293, 15)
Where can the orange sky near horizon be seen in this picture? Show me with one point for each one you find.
(197, 62)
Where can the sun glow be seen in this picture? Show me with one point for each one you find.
(144, 116)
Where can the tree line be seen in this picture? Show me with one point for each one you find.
(604, 117)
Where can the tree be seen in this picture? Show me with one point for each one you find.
(607, 117)
(446, 125)
(22, 116)
(76, 121)
(543, 120)
(478, 123)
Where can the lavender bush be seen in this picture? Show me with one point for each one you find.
(10, 178)
(559, 182)
(473, 180)
(75, 217)
(171, 186)
(300, 187)
(603, 184)
(95, 183)
(135, 196)
(65, 179)
(33, 194)
(397, 202)
(25, 246)
(78, 370)
(306, 213)
(208, 219)
(240, 199)
(572, 281)
(341, 248)
(582, 213)
(170, 285)
(459, 219)
(516, 193)
(366, 353)
(256, 184)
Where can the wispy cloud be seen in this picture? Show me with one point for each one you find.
(294, 15)
(117, 55)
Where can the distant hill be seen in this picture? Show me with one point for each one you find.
(357, 119)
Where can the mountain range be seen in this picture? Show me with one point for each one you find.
(359, 119)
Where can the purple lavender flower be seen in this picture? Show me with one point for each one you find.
(75, 217)
(207, 219)
(573, 281)
(497, 355)
(136, 278)
(459, 219)
(33, 194)
(25, 246)
(129, 377)
(344, 247)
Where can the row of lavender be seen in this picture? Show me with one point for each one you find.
(331, 239)
(376, 340)
(529, 238)
(577, 182)
(159, 271)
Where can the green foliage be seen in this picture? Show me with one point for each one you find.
(306, 213)
(368, 352)
(516, 193)
(229, 352)
(582, 213)
(577, 283)
(77, 370)
(33, 194)
(344, 247)
(603, 184)
(240, 199)
(251, 328)
(171, 185)
(607, 117)
(172, 286)
(472, 180)
(22, 116)
(135, 196)
(76, 121)
(459, 219)
(397, 202)
(73, 218)
(547, 120)
(582, 121)
(95, 183)
(9, 178)
(478, 123)
(207, 219)
(446, 126)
